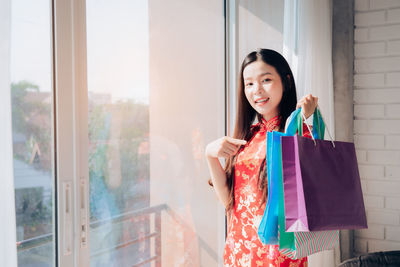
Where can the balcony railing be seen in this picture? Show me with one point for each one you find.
(156, 210)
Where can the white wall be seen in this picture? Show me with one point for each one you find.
(377, 120)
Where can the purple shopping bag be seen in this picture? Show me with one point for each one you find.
(322, 189)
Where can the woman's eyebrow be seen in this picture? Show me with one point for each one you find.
(262, 74)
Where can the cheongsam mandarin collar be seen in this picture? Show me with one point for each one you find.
(271, 124)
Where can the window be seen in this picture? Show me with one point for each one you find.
(110, 118)
(154, 89)
(32, 131)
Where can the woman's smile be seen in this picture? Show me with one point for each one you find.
(261, 101)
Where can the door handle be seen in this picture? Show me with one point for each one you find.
(67, 216)
(84, 213)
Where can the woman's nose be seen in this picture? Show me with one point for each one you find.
(258, 87)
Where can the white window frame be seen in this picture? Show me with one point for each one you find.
(71, 132)
(231, 70)
(71, 122)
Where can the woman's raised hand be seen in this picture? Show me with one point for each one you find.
(224, 147)
(308, 104)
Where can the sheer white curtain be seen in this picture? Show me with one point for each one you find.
(8, 251)
(307, 45)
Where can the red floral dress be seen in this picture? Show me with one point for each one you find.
(243, 246)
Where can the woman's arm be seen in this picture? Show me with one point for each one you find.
(223, 147)
(218, 178)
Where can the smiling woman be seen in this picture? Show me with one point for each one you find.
(267, 92)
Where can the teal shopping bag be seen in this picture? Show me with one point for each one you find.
(268, 229)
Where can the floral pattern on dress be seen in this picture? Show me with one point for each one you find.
(243, 247)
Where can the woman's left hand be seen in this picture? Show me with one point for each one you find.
(308, 104)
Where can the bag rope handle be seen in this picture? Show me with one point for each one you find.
(326, 126)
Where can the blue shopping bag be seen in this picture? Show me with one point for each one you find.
(268, 229)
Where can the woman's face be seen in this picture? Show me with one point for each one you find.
(263, 88)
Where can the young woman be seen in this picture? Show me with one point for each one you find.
(266, 90)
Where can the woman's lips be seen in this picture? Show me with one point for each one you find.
(262, 103)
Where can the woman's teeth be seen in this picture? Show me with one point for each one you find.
(261, 101)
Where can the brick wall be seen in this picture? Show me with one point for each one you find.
(377, 120)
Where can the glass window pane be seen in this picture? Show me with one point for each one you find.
(32, 130)
(156, 97)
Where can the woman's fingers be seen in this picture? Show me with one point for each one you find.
(225, 155)
(307, 100)
(308, 104)
(226, 146)
(231, 146)
(236, 141)
(314, 101)
(300, 104)
(231, 150)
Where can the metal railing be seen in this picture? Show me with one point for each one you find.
(156, 210)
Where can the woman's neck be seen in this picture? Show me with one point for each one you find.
(267, 117)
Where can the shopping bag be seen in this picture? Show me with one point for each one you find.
(268, 228)
(272, 226)
(297, 245)
(286, 239)
(321, 182)
(308, 243)
(295, 124)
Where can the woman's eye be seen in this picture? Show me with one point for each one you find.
(248, 84)
(267, 79)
